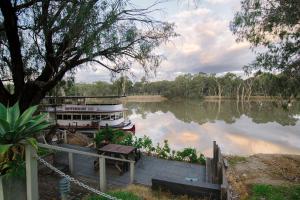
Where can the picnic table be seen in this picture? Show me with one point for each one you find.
(118, 151)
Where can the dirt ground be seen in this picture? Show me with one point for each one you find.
(270, 169)
(48, 188)
(78, 139)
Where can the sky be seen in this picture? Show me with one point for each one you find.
(205, 42)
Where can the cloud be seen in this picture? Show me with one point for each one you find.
(205, 44)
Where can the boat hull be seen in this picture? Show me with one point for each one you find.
(130, 127)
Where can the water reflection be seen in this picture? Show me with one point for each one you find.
(239, 128)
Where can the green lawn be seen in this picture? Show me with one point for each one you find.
(118, 194)
(269, 192)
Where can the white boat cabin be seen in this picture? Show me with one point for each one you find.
(89, 116)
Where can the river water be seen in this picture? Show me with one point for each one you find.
(239, 128)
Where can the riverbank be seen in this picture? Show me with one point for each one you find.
(158, 98)
(264, 176)
(143, 98)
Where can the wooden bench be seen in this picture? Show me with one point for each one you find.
(118, 151)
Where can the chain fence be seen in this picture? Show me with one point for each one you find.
(75, 181)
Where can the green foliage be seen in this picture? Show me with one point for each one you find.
(119, 194)
(14, 129)
(190, 155)
(200, 85)
(269, 192)
(273, 25)
(144, 143)
(108, 135)
(165, 152)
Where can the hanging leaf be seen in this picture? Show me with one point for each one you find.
(4, 148)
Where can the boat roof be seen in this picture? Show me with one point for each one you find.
(82, 97)
(87, 108)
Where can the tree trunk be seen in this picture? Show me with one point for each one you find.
(243, 91)
(219, 91)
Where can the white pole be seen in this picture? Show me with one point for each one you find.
(102, 174)
(31, 173)
(65, 137)
(131, 172)
(71, 163)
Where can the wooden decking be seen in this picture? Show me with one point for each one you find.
(145, 169)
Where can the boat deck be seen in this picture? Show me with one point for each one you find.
(145, 169)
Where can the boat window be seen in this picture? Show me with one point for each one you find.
(76, 117)
(95, 117)
(112, 117)
(105, 117)
(119, 115)
(58, 116)
(86, 117)
(67, 117)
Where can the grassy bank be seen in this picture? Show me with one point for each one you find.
(265, 176)
(271, 192)
(144, 98)
(137, 192)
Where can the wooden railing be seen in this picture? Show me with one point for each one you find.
(32, 171)
(216, 171)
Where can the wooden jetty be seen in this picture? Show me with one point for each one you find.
(177, 177)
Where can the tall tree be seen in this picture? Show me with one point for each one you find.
(42, 40)
(274, 26)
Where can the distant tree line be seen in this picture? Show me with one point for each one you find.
(190, 86)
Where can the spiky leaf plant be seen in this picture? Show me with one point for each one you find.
(16, 129)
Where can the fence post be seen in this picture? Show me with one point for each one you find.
(102, 174)
(131, 172)
(31, 173)
(65, 137)
(71, 163)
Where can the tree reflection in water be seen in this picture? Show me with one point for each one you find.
(227, 111)
(239, 127)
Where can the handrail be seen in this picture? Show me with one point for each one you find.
(82, 152)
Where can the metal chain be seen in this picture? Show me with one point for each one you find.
(75, 181)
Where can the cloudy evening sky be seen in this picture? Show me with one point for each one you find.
(205, 43)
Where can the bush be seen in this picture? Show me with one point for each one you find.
(190, 155)
(119, 194)
(164, 152)
(144, 143)
(109, 135)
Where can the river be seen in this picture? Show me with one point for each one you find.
(239, 128)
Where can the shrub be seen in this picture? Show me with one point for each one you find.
(15, 129)
(190, 155)
(119, 194)
(109, 135)
(165, 152)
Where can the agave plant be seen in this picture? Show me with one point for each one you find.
(16, 129)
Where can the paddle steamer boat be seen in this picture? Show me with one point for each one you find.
(91, 116)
